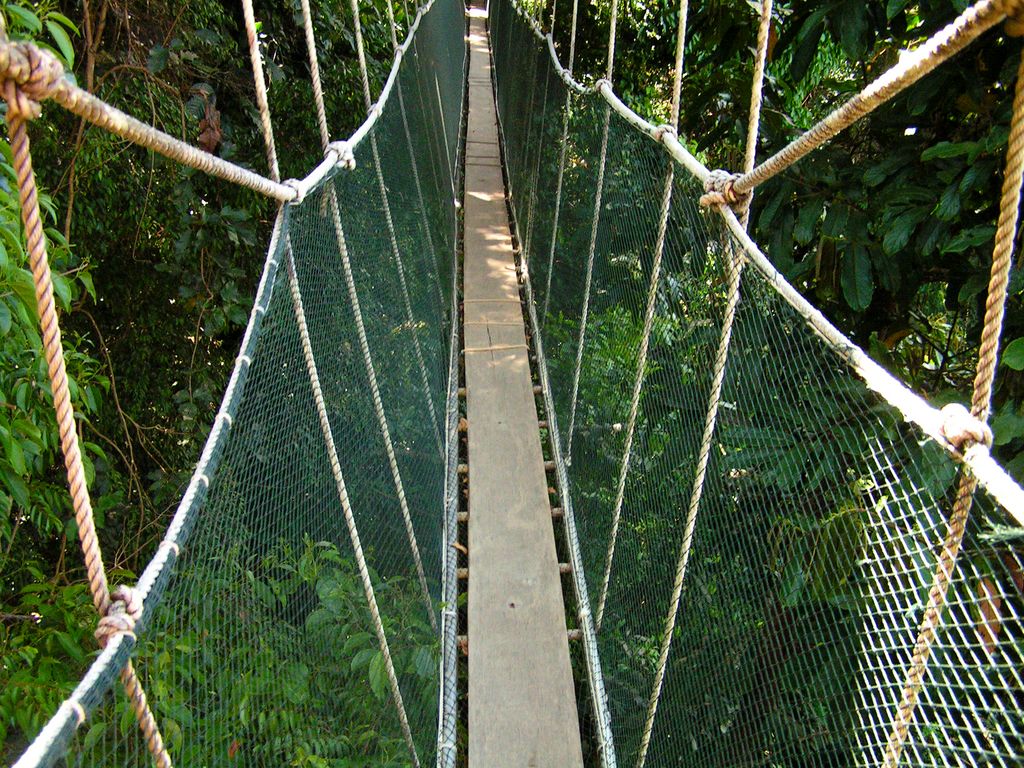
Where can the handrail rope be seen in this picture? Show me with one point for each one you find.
(119, 611)
(399, 266)
(318, 396)
(1006, 491)
(594, 225)
(561, 156)
(735, 264)
(652, 296)
(981, 402)
(41, 75)
(378, 403)
(911, 67)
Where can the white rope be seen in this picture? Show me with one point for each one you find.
(314, 73)
(561, 155)
(346, 505)
(735, 266)
(321, 407)
(365, 348)
(595, 223)
(652, 295)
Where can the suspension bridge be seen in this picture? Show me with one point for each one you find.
(529, 441)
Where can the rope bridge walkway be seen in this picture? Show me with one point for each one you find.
(773, 552)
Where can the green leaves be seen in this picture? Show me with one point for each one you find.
(858, 286)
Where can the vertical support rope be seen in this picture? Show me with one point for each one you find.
(318, 396)
(988, 354)
(395, 250)
(346, 504)
(652, 296)
(20, 109)
(595, 224)
(735, 267)
(371, 373)
(314, 74)
(561, 156)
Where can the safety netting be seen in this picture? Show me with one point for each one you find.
(257, 645)
(818, 526)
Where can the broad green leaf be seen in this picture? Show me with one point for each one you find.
(25, 18)
(898, 233)
(969, 238)
(60, 37)
(837, 549)
(856, 279)
(946, 149)
(378, 675)
(1013, 355)
(5, 318)
(158, 57)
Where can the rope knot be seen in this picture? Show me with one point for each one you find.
(343, 151)
(29, 75)
(719, 189)
(961, 427)
(664, 130)
(124, 612)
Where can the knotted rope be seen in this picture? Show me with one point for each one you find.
(30, 75)
(964, 429)
(720, 189)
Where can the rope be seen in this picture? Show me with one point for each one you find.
(912, 67)
(981, 401)
(314, 74)
(595, 223)
(259, 80)
(735, 264)
(321, 406)
(22, 88)
(561, 157)
(396, 252)
(41, 77)
(652, 296)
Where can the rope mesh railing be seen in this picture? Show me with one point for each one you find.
(257, 608)
(824, 507)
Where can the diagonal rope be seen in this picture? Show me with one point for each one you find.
(20, 63)
(912, 67)
(735, 267)
(361, 332)
(318, 396)
(561, 155)
(117, 615)
(595, 224)
(981, 401)
(652, 297)
(395, 250)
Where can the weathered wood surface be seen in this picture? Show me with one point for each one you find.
(522, 705)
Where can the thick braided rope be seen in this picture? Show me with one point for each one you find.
(912, 67)
(995, 306)
(652, 295)
(735, 264)
(395, 250)
(19, 60)
(22, 105)
(371, 373)
(260, 82)
(314, 75)
(561, 157)
(320, 403)
(594, 226)
(346, 504)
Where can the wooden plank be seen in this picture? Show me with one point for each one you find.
(522, 705)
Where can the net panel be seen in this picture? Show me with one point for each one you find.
(822, 514)
(260, 649)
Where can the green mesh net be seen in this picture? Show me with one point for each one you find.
(822, 514)
(257, 646)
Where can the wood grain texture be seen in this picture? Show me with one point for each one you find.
(522, 705)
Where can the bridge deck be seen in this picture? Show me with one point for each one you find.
(522, 706)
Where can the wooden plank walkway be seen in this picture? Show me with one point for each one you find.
(522, 705)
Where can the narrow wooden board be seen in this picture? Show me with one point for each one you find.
(522, 705)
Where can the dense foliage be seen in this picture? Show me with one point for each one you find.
(888, 229)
